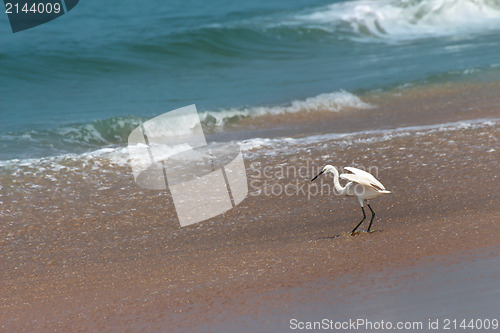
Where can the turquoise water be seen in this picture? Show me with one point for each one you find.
(83, 81)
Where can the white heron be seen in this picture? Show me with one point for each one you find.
(361, 184)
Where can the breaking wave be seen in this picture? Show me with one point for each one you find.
(406, 19)
(80, 138)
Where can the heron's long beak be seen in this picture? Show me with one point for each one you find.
(319, 174)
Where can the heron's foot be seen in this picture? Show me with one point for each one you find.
(370, 231)
(353, 233)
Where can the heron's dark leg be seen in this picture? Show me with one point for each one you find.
(364, 217)
(371, 221)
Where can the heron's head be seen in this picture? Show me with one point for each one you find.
(326, 168)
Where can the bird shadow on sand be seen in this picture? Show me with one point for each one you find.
(330, 237)
(357, 233)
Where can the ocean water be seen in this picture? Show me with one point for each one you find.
(82, 82)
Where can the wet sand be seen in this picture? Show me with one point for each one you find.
(426, 297)
(96, 253)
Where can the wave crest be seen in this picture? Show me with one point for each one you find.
(408, 19)
(333, 102)
(114, 131)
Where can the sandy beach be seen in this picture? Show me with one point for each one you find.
(98, 254)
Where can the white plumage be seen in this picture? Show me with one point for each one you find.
(362, 185)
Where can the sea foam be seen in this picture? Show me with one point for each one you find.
(405, 19)
(119, 156)
(334, 102)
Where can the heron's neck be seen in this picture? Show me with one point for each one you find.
(336, 182)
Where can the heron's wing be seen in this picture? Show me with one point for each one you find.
(360, 180)
(355, 179)
(366, 176)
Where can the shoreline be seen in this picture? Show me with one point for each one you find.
(99, 254)
(422, 105)
(413, 106)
